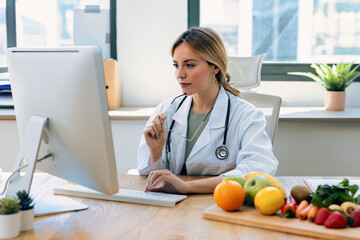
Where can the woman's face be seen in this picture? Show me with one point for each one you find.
(192, 71)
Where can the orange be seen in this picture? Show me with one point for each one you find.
(229, 195)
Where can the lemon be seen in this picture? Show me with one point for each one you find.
(268, 200)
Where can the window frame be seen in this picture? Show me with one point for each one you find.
(270, 71)
(10, 12)
(10, 24)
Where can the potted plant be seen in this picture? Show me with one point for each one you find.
(9, 217)
(26, 211)
(335, 80)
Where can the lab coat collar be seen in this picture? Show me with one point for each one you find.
(218, 115)
(181, 115)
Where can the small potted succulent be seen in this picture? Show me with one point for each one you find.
(26, 211)
(335, 80)
(9, 217)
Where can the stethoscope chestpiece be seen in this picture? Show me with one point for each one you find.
(222, 153)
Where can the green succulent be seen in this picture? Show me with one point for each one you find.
(335, 78)
(9, 205)
(26, 202)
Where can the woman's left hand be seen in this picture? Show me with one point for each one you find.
(165, 181)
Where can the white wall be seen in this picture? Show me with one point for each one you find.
(9, 144)
(302, 148)
(318, 148)
(145, 33)
(126, 136)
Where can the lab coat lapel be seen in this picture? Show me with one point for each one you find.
(179, 144)
(216, 121)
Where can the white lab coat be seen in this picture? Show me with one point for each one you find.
(249, 146)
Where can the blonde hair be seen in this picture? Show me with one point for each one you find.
(208, 44)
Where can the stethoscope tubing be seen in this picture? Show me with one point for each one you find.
(168, 149)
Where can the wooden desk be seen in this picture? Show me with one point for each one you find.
(117, 220)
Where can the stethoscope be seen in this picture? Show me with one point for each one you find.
(221, 152)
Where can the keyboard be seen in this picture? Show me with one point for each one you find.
(124, 195)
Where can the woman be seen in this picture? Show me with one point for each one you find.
(208, 130)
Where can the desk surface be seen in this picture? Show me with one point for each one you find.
(116, 220)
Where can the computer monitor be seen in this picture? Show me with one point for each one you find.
(61, 108)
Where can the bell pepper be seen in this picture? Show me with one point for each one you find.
(289, 208)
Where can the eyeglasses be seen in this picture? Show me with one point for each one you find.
(192, 138)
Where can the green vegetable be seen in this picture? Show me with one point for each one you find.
(326, 195)
(357, 200)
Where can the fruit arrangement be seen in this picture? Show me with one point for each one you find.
(332, 206)
(256, 189)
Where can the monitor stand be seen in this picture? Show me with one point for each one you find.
(28, 154)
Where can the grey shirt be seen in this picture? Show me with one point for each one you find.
(194, 122)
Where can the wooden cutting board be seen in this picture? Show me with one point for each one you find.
(249, 216)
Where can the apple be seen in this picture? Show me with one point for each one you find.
(235, 178)
(253, 185)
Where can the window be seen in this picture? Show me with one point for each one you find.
(2, 35)
(45, 23)
(291, 33)
(287, 31)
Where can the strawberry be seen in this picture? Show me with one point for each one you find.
(355, 215)
(322, 215)
(336, 220)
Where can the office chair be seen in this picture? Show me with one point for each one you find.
(246, 74)
(270, 105)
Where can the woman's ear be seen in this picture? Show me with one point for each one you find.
(216, 69)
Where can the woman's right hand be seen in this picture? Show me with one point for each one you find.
(155, 136)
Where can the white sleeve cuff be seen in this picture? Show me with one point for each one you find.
(146, 168)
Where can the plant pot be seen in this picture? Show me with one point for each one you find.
(26, 219)
(9, 225)
(335, 101)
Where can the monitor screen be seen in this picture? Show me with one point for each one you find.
(66, 85)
